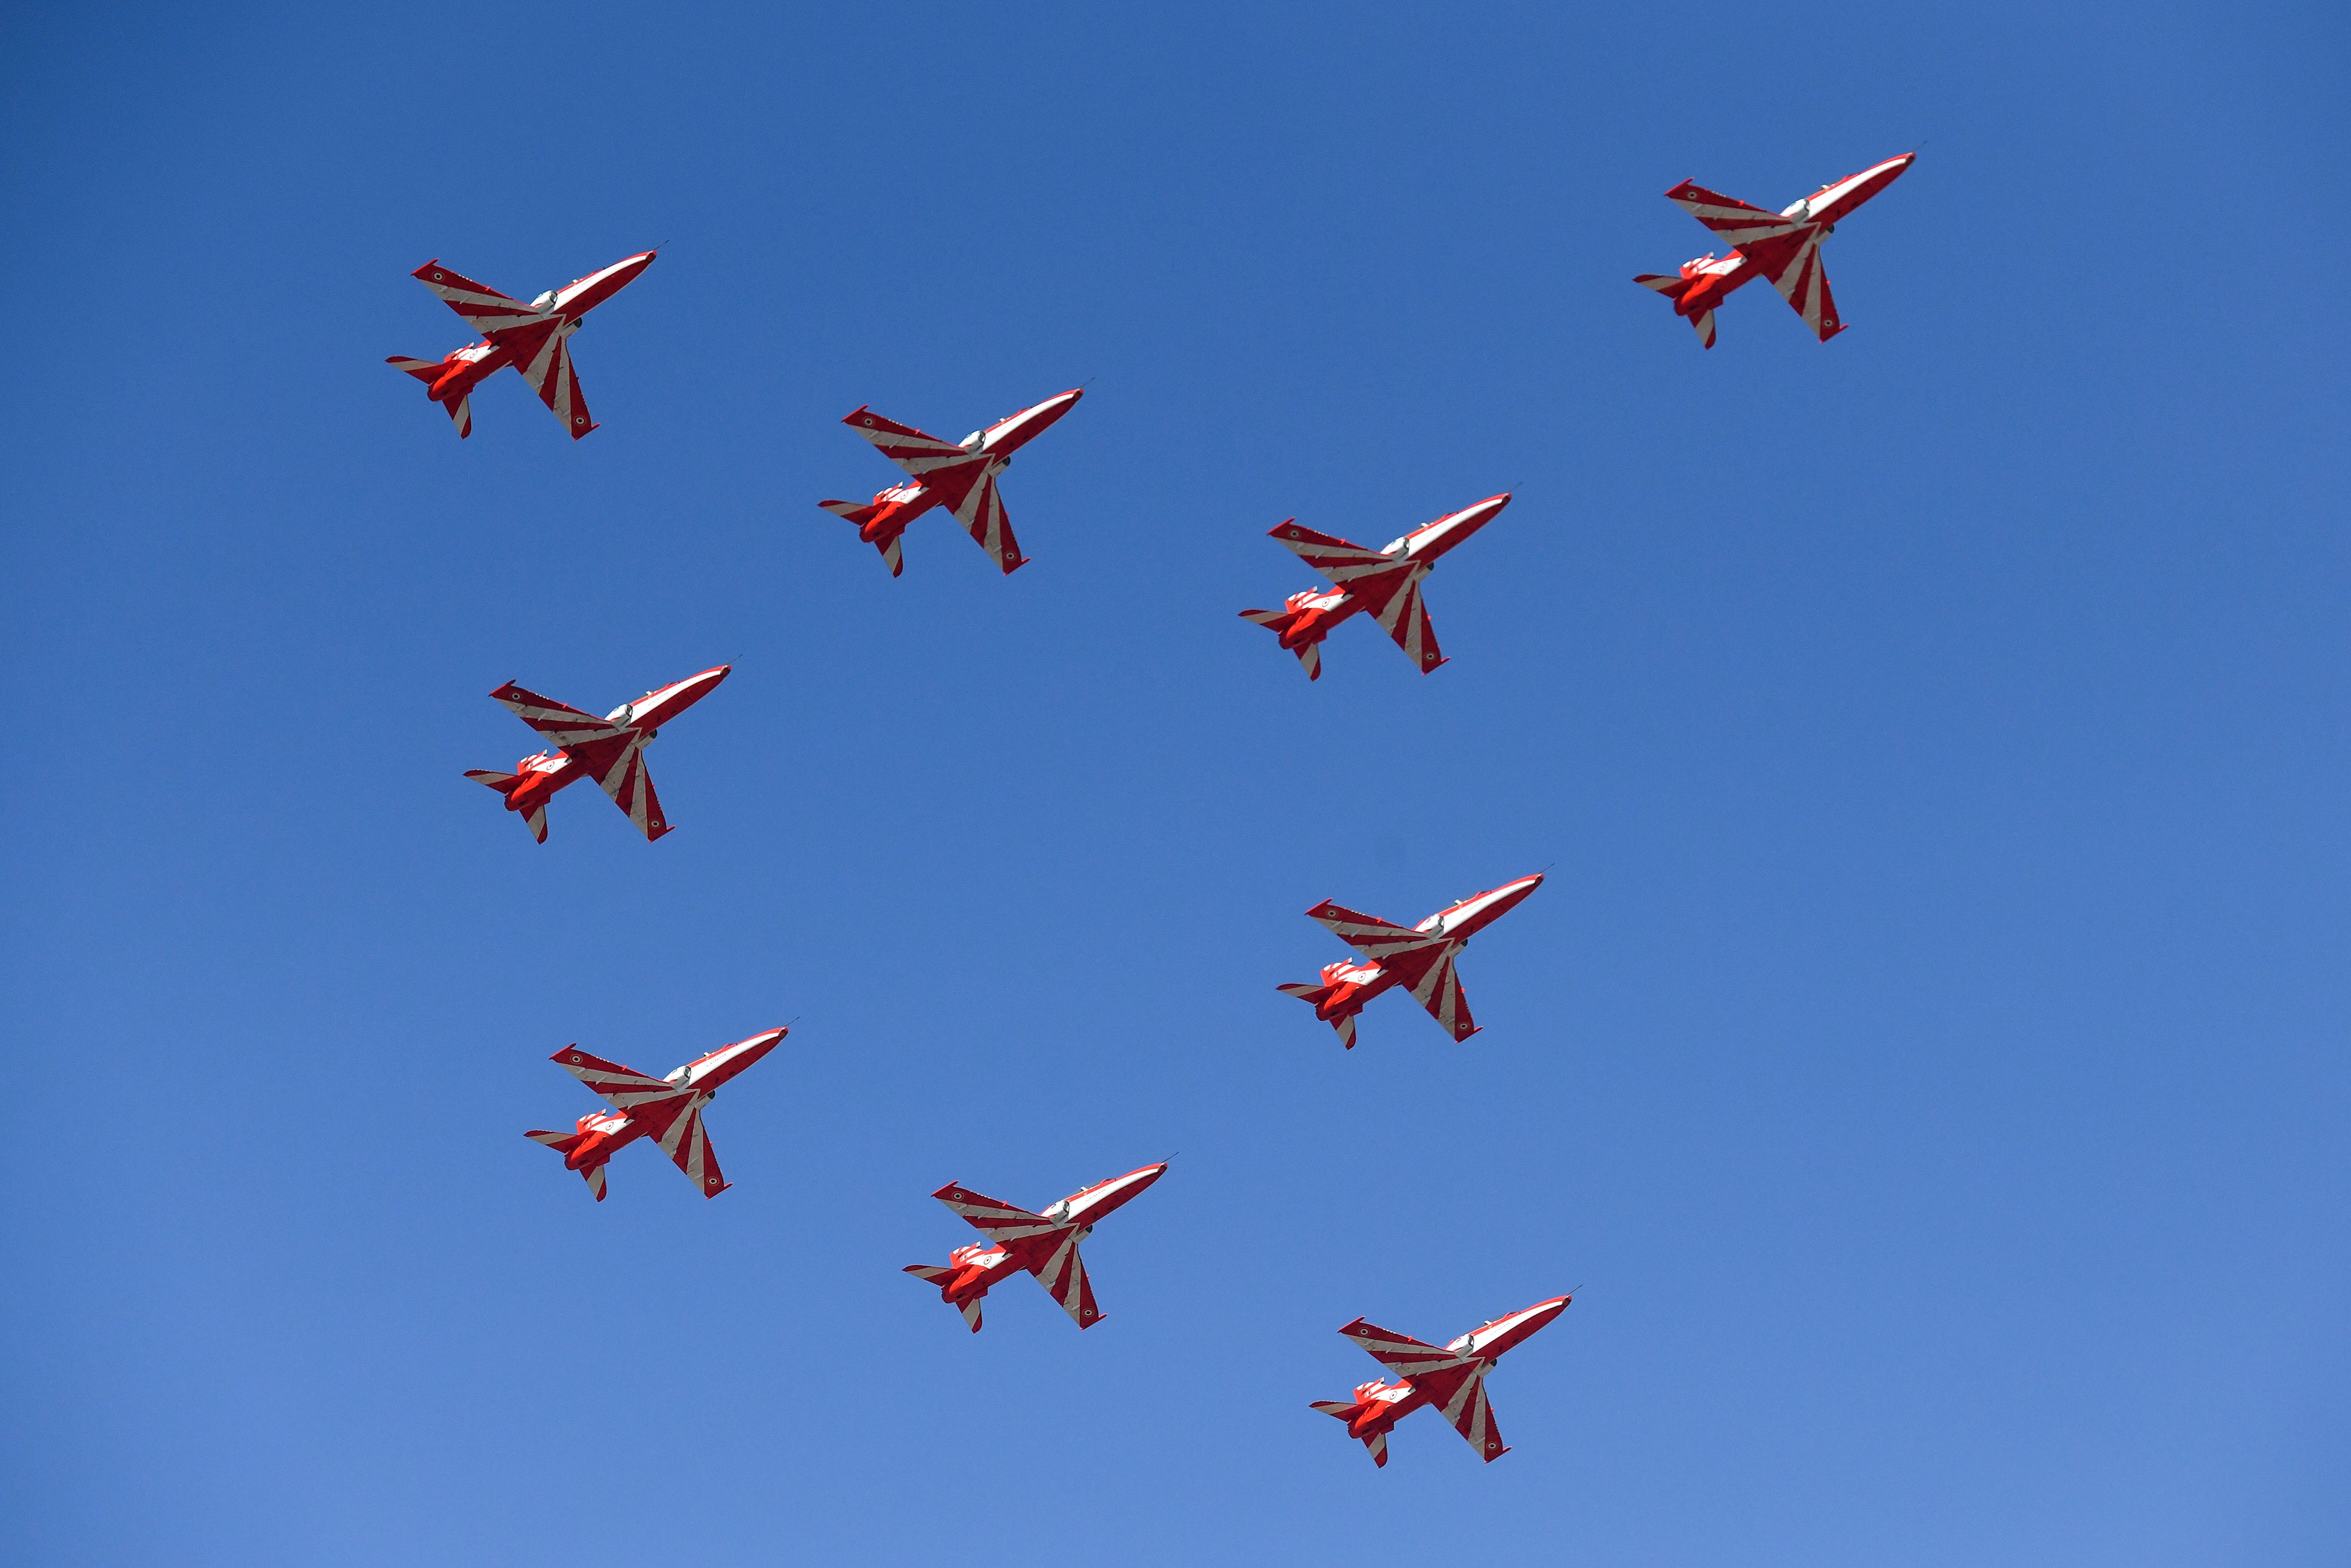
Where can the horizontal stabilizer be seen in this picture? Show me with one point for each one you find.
(562, 1143)
(595, 1174)
(1278, 622)
(501, 782)
(1317, 995)
(849, 511)
(1339, 1408)
(1673, 286)
(426, 371)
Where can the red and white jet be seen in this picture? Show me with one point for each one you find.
(666, 1110)
(1420, 959)
(1046, 1244)
(958, 475)
(1452, 1379)
(1385, 582)
(610, 750)
(534, 338)
(1784, 246)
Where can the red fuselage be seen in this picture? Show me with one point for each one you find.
(1379, 1405)
(603, 1133)
(980, 1265)
(1314, 612)
(1353, 983)
(538, 778)
(897, 507)
(467, 367)
(1715, 280)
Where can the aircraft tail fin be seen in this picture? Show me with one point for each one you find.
(563, 1144)
(932, 1274)
(535, 819)
(1673, 289)
(1314, 997)
(851, 512)
(1278, 622)
(461, 410)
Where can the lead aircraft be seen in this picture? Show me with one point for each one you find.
(610, 750)
(666, 1110)
(1386, 583)
(1419, 958)
(1045, 1245)
(1784, 246)
(958, 475)
(534, 338)
(1452, 1379)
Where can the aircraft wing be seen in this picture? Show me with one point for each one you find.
(1405, 618)
(923, 456)
(621, 1088)
(1342, 564)
(1737, 223)
(981, 513)
(624, 778)
(1399, 948)
(1435, 1370)
(1064, 1275)
(549, 370)
(686, 1143)
(1803, 283)
(1439, 990)
(1473, 1418)
(561, 724)
(484, 308)
(999, 1222)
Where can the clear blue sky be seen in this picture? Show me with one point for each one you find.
(1927, 1058)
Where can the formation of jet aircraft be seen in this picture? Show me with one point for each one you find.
(961, 477)
(1419, 958)
(610, 750)
(1451, 1379)
(1384, 582)
(534, 338)
(958, 474)
(1784, 246)
(666, 1110)
(1044, 1245)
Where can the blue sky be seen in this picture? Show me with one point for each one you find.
(1926, 1059)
